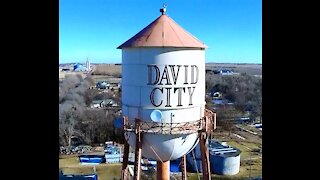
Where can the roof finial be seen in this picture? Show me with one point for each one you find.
(163, 10)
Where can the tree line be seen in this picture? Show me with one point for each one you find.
(77, 120)
(95, 126)
(243, 91)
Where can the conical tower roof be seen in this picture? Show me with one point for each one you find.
(163, 32)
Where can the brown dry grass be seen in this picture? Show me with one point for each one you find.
(252, 69)
(107, 69)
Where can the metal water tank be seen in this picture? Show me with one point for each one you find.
(225, 160)
(228, 164)
(163, 83)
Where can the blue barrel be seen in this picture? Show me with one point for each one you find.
(118, 123)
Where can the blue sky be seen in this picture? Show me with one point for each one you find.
(232, 29)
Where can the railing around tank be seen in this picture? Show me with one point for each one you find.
(205, 124)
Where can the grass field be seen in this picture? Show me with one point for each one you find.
(250, 166)
(71, 165)
(250, 161)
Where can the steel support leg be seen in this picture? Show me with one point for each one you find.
(137, 155)
(184, 167)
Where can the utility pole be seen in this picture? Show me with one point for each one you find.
(250, 164)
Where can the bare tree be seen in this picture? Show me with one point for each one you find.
(74, 88)
(75, 119)
(242, 90)
(68, 125)
(67, 84)
(89, 95)
(226, 117)
(97, 125)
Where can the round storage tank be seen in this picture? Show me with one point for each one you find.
(225, 160)
(163, 82)
(171, 80)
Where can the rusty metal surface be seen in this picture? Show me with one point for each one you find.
(211, 120)
(125, 161)
(204, 157)
(163, 170)
(137, 155)
(165, 128)
(205, 124)
(184, 167)
(163, 32)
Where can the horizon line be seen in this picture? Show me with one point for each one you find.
(205, 63)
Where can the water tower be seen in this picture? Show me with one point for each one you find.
(163, 93)
(88, 65)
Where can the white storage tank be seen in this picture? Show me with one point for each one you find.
(225, 160)
(163, 81)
